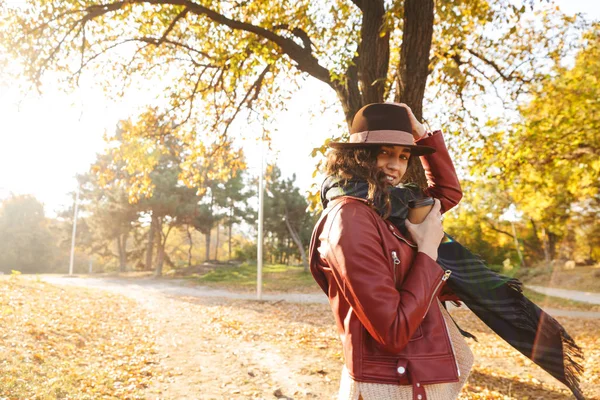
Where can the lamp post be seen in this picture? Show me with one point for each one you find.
(259, 243)
(74, 231)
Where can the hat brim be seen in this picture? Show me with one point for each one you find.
(416, 150)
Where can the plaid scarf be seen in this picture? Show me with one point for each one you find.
(496, 299)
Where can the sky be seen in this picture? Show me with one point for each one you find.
(45, 140)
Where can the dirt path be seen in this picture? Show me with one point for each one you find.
(212, 347)
(587, 297)
(179, 287)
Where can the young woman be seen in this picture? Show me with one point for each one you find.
(381, 275)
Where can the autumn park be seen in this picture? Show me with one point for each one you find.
(161, 170)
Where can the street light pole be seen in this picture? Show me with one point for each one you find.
(74, 232)
(259, 244)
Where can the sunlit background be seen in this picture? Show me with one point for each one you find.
(47, 138)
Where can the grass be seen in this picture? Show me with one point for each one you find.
(275, 278)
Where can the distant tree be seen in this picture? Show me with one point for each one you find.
(107, 217)
(548, 164)
(235, 194)
(141, 154)
(208, 214)
(286, 215)
(26, 243)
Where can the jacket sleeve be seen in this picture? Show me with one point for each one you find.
(364, 275)
(442, 180)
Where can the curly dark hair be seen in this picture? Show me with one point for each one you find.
(361, 163)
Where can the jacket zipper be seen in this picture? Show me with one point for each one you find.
(444, 279)
(404, 240)
(451, 345)
(396, 262)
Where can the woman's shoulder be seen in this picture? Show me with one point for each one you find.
(352, 210)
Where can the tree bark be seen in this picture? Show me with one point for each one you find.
(229, 226)
(162, 242)
(189, 235)
(217, 243)
(150, 246)
(122, 245)
(366, 77)
(229, 245)
(413, 69)
(546, 247)
(207, 242)
(374, 52)
(160, 251)
(298, 242)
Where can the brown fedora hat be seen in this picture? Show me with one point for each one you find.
(382, 124)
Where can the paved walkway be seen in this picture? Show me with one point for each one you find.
(586, 297)
(178, 287)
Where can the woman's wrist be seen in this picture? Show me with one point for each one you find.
(432, 253)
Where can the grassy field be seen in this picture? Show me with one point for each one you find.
(275, 278)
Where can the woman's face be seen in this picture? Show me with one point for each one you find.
(393, 161)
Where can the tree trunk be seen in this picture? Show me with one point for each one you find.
(229, 245)
(207, 242)
(296, 239)
(229, 226)
(365, 79)
(374, 52)
(217, 244)
(150, 246)
(160, 251)
(552, 240)
(546, 247)
(122, 245)
(413, 69)
(120, 252)
(189, 234)
(160, 256)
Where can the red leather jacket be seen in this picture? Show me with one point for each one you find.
(382, 291)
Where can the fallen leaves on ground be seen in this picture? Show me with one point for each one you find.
(71, 343)
(500, 372)
(84, 344)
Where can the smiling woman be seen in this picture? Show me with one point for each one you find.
(382, 281)
(393, 162)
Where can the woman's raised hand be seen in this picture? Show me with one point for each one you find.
(418, 130)
(429, 233)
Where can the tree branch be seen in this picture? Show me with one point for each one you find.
(525, 243)
(306, 62)
(256, 87)
(359, 3)
(489, 62)
(172, 25)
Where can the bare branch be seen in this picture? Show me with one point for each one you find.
(525, 243)
(172, 25)
(305, 60)
(256, 87)
(489, 62)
